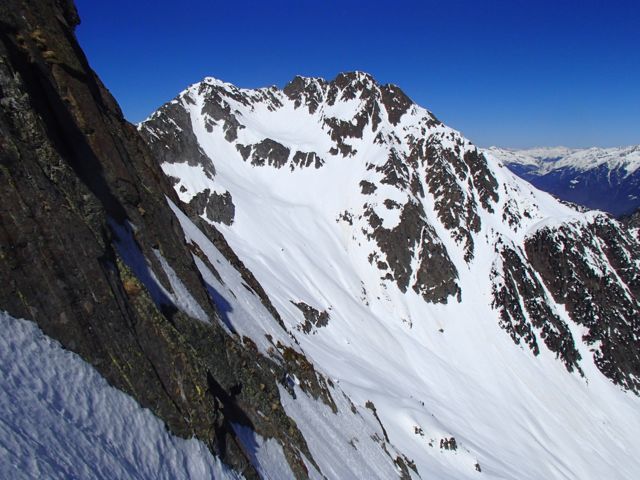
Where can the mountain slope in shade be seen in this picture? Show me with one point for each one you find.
(598, 178)
(487, 326)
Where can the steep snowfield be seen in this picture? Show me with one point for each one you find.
(60, 419)
(352, 435)
(433, 370)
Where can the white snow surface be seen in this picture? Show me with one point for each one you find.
(547, 159)
(433, 371)
(59, 419)
(329, 435)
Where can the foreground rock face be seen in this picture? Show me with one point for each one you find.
(84, 223)
(91, 251)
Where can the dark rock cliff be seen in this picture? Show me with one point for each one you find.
(633, 222)
(593, 272)
(90, 250)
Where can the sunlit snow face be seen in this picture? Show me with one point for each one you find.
(449, 370)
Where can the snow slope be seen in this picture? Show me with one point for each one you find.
(415, 332)
(60, 419)
(336, 430)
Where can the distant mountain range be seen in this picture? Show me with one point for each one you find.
(598, 178)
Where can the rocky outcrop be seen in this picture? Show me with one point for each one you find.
(432, 274)
(313, 318)
(455, 206)
(525, 308)
(217, 207)
(267, 152)
(593, 272)
(174, 128)
(633, 222)
(396, 102)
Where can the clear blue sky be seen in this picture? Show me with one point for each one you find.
(505, 72)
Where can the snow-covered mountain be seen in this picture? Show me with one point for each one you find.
(599, 178)
(317, 282)
(487, 326)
